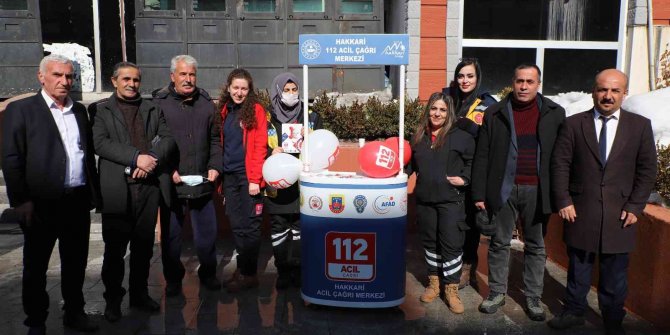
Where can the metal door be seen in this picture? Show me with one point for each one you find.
(21, 51)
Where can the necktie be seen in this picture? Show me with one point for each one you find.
(602, 140)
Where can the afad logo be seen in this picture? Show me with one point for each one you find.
(360, 202)
(336, 203)
(315, 203)
(383, 204)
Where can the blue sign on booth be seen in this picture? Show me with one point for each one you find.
(354, 49)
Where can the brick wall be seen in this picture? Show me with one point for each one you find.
(433, 64)
(661, 10)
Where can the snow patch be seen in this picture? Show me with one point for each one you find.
(84, 73)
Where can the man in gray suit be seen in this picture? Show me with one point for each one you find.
(134, 144)
(603, 169)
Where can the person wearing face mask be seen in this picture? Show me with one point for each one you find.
(283, 204)
(442, 155)
(244, 139)
(470, 104)
(190, 114)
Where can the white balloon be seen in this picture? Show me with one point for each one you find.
(323, 148)
(281, 170)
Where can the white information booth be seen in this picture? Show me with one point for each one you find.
(353, 227)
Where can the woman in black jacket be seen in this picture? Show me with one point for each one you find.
(441, 157)
(286, 113)
(470, 103)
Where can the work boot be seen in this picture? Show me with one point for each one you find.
(465, 276)
(452, 299)
(79, 321)
(534, 309)
(491, 304)
(432, 290)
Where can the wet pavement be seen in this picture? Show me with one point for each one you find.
(266, 311)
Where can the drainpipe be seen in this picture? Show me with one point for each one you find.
(122, 16)
(650, 46)
(96, 39)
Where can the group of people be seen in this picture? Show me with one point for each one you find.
(170, 155)
(511, 162)
(499, 165)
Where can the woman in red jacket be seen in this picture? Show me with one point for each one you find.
(244, 139)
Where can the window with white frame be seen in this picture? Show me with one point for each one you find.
(571, 40)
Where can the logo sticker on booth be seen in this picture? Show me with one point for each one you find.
(351, 256)
(385, 157)
(360, 202)
(383, 204)
(315, 203)
(336, 203)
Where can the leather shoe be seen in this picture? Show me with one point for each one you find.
(79, 321)
(172, 289)
(211, 283)
(144, 303)
(37, 330)
(566, 320)
(113, 311)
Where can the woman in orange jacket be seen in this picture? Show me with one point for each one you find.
(244, 140)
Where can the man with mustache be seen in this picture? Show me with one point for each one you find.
(190, 114)
(49, 168)
(510, 179)
(134, 146)
(603, 170)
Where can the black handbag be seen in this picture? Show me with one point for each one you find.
(485, 223)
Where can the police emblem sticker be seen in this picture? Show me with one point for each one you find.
(336, 203)
(360, 202)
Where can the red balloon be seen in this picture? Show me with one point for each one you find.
(377, 160)
(392, 142)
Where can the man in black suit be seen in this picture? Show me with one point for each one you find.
(49, 168)
(603, 169)
(135, 146)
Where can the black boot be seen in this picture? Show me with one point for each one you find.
(113, 310)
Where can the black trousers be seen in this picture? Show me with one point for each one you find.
(442, 238)
(612, 284)
(68, 221)
(286, 240)
(137, 227)
(245, 213)
(472, 235)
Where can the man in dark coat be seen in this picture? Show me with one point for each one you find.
(134, 145)
(190, 114)
(603, 170)
(49, 168)
(510, 179)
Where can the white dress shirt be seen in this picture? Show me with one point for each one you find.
(69, 134)
(612, 125)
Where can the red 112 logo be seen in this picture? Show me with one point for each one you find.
(350, 256)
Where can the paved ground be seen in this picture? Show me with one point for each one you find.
(266, 311)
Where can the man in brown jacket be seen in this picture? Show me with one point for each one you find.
(603, 169)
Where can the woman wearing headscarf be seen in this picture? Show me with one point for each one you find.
(469, 105)
(285, 132)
